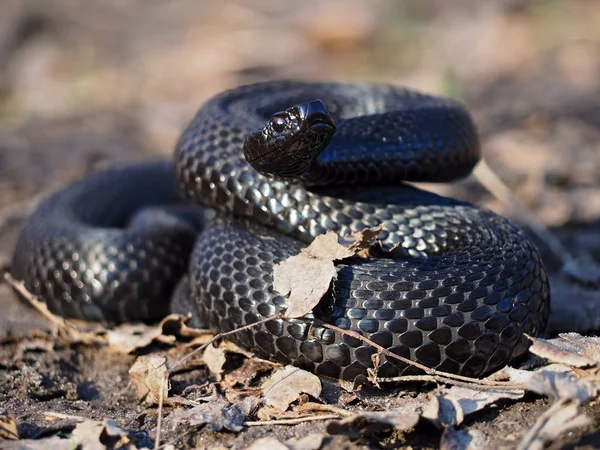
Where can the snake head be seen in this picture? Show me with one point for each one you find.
(288, 143)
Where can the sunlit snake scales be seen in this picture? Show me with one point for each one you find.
(468, 286)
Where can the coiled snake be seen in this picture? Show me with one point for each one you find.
(467, 285)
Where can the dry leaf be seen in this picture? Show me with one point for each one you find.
(313, 441)
(248, 371)
(92, 434)
(562, 416)
(450, 406)
(8, 427)
(589, 346)
(129, 337)
(562, 351)
(149, 374)
(88, 435)
(306, 277)
(367, 423)
(286, 385)
(328, 247)
(175, 324)
(455, 439)
(559, 382)
(214, 358)
(267, 442)
(216, 414)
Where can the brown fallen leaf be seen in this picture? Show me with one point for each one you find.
(89, 435)
(560, 382)
(306, 277)
(570, 352)
(455, 439)
(450, 406)
(589, 346)
(248, 371)
(150, 377)
(214, 358)
(128, 337)
(313, 441)
(8, 427)
(367, 423)
(562, 416)
(217, 414)
(175, 324)
(286, 385)
(267, 442)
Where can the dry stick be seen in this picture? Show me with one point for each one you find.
(163, 383)
(33, 300)
(427, 370)
(290, 421)
(489, 180)
(58, 415)
(506, 386)
(220, 336)
(62, 324)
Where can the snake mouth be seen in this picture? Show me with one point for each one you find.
(316, 116)
(321, 123)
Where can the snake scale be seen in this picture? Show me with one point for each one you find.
(282, 162)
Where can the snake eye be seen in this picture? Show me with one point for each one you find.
(278, 123)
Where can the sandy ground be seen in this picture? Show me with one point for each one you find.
(87, 86)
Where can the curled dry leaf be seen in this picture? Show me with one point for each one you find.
(217, 414)
(150, 376)
(8, 427)
(175, 324)
(248, 371)
(267, 442)
(570, 349)
(286, 385)
(455, 439)
(367, 423)
(214, 358)
(564, 415)
(90, 434)
(306, 277)
(128, 337)
(313, 441)
(450, 406)
(559, 382)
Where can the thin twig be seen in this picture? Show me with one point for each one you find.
(163, 383)
(427, 370)
(443, 380)
(312, 406)
(120, 393)
(58, 415)
(34, 301)
(262, 423)
(62, 324)
(220, 336)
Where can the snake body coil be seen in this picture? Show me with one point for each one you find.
(466, 288)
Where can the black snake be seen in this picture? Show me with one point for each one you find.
(465, 288)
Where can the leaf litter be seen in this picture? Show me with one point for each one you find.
(237, 401)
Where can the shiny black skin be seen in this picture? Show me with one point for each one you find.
(468, 286)
(89, 252)
(469, 283)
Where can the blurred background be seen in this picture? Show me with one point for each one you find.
(84, 84)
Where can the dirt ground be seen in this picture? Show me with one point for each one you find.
(85, 85)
